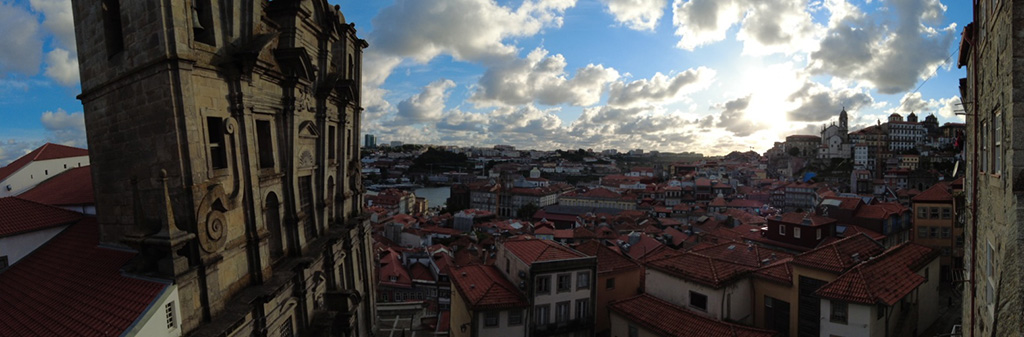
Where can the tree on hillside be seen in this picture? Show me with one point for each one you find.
(526, 211)
(435, 159)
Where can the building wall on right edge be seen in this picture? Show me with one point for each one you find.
(991, 95)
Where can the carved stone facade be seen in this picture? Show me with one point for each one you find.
(223, 137)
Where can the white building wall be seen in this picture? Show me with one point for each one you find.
(620, 327)
(18, 246)
(928, 296)
(38, 171)
(859, 321)
(677, 291)
(153, 322)
(555, 297)
(503, 328)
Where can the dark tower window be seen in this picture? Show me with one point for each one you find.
(351, 68)
(215, 136)
(266, 144)
(202, 22)
(306, 204)
(112, 26)
(272, 216)
(331, 142)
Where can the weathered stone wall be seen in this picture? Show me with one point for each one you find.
(170, 100)
(997, 98)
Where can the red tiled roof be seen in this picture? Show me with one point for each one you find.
(848, 203)
(838, 256)
(780, 271)
(47, 151)
(601, 193)
(392, 273)
(485, 288)
(20, 216)
(885, 279)
(798, 219)
(744, 203)
(646, 245)
(667, 319)
(533, 250)
(444, 322)
(608, 260)
(880, 211)
(700, 268)
(748, 255)
(419, 271)
(937, 193)
(72, 187)
(583, 233)
(72, 287)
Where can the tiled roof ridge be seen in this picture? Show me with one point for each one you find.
(714, 270)
(899, 248)
(57, 216)
(623, 307)
(854, 284)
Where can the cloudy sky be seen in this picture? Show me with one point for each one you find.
(709, 76)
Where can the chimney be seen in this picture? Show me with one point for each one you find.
(634, 237)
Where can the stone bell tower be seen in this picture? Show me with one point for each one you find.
(223, 137)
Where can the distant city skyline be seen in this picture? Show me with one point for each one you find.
(701, 76)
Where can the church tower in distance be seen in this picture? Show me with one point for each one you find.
(224, 141)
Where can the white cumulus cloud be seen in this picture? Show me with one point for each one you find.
(65, 128)
(542, 78)
(21, 41)
(62, 67)
(428, 105)
(659, 88)
(637, 14)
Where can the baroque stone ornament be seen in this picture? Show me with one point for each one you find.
(212, 224)
(306, 159)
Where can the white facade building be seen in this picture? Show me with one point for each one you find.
(39, 165)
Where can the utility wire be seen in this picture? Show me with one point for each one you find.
(929, 77)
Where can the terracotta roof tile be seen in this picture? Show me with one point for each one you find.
(419, 271)
(608, 261)
(748, 255)
(72, 187)
(700, 268)
(485, 288)
(73, 287)
(885, 279)
(391, 272)
(534, 250)
(937, 193)
(780, 271)
(20, 216)
(838, 256)
(667, 319)
(643, 247)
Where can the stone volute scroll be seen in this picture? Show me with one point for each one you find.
(211, 220)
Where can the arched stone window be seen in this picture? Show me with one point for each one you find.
(272, 218)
